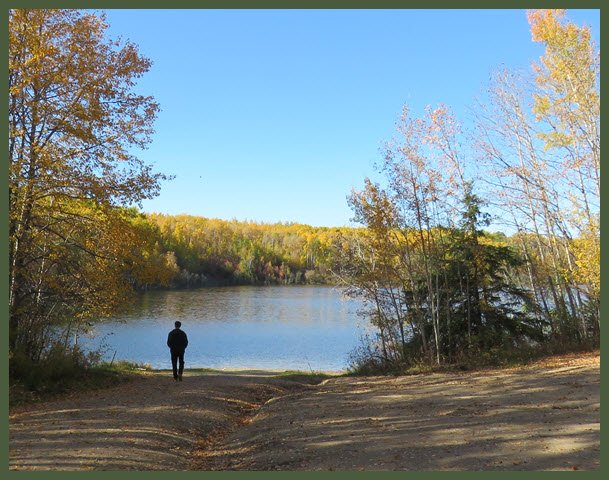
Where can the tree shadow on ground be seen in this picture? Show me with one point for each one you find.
(531, 420)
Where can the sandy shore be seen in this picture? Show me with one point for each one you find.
(542, 417)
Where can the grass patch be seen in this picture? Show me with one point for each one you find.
(196, 371)
(300, 376)
(43, 383)
(492, 359)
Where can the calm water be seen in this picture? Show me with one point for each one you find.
(294, 327)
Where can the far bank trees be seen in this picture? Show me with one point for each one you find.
(208, 251)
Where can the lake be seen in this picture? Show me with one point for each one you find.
(246, 327)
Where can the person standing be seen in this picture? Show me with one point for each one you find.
(177, 341)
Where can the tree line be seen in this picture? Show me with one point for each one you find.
(203, 251)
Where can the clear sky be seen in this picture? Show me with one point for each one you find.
(275, 115)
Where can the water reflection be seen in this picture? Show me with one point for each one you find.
(292, 327)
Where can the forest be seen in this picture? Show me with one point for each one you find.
(439, 287)
(202, 251)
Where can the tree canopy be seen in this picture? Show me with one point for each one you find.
(74, 122)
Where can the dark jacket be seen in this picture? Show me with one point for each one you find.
(177, 340)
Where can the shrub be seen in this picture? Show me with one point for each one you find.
(57, 371)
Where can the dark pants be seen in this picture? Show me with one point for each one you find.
(175, 356)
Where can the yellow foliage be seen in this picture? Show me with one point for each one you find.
(587, 252)
(73, 121)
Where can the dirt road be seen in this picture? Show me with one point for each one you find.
(152, 423)
(542, 417)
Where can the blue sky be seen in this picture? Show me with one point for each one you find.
(275, 115)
